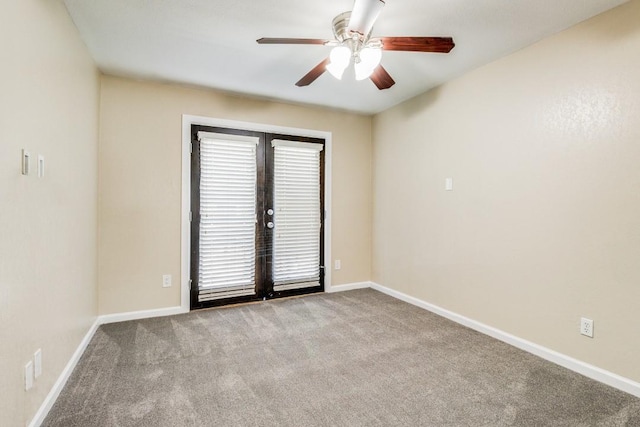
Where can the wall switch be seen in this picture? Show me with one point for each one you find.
(40, 165)
(586, 327)
(26, 160)
(166, 280)
(37, 363)
(28, 375)
(336, 265)
(448, 184)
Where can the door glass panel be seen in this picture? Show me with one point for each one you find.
(297, 215)
(227, 262)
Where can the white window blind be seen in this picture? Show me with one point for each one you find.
(296, 195)
(227, 216)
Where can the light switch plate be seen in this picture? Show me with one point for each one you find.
(28, 375)
(40, 165)
(37, 363)
(448, 184)
(26, 160)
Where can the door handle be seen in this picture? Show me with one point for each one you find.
(270, 224)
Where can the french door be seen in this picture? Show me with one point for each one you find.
(257, 211)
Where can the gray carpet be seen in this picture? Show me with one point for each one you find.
(356, 358)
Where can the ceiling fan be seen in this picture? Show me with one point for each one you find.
(353, 42)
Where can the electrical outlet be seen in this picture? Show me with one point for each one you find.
(337, 265)
(166, 280)
(586, 327)
(28, 375)
(37, 363)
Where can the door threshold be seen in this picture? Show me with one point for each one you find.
(245, 303)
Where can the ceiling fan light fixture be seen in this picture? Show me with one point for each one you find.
(369, 59)
(354, 44)
(340, 58)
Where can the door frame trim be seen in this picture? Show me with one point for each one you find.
(185, 233)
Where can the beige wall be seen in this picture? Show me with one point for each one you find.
(541, 228)
(140, 184)
(49, 94)
(543, 225)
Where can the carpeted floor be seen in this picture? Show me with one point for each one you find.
(356, 358)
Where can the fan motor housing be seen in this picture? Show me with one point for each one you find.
(341, 32)
(340, 24)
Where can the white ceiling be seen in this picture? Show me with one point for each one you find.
(212, 43)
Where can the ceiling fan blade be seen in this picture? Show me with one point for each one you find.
(312, 75)
(381, 78)
(418, 44)
(364, 15)
(270, 40)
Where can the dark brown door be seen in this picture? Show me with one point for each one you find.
(257, 205)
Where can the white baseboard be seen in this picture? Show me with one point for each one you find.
(590, 371)
(64, 376)
(68, 369)
(144, 314)
(348, 287)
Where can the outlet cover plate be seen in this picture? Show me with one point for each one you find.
(166, 280)
(586, 327)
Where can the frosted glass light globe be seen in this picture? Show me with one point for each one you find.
(340, 58)
(369, 59)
